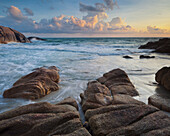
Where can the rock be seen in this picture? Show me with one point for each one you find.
(132, 120)
(147, 125)
(125, 99)
(160, 101)
(118, 113)
(69, 101)
(37, 38)
(118, 82)
(79, 132)
(96, 95)
(105, 123)
(42, 119)
(146, 57)
(163, 77)
(10, 35)
(127, 57)
(161, 46)
(35, 85)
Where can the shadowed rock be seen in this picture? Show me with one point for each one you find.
(146, 57)
(161, 46)
(163, 77)
(10, 35)
(127, 57)
(43, 119)
(37, 38)
(35, 85)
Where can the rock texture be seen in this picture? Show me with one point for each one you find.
(161, 46)
(35, 85)
(118, 82)
(163, 77)
(160, 101)
(117, 113)
(43, 119)
(10, 35)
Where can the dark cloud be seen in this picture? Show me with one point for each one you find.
(88, 8)
(28, 12)
(110, 4)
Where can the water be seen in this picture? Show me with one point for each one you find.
(80, 60)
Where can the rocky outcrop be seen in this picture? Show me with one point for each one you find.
(161, 46)
(160, 101)
(35, 85)
(10, 35)
(118, 82)
(43, 119)
(163, 77)
(115, 112)
(36, 38)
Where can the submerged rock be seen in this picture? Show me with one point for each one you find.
(161, 46)
(37, 38)
(10, 35)
(163, 77)
(35, 85)
(160, 101)
(146, 57)
(42, 119)
(127, 57)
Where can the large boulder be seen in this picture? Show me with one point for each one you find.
(161, 46)
(10, 35)
(43, 119)
(112, 111)
(118, 82)
(35, 85)
(163, 77)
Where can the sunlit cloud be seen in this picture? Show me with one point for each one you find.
(94, 22)
(155, 30)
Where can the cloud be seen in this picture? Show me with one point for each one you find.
(110, 4)
(91, 23)
(88, 8)
(15, 13)
(155, 30)
(28, 12)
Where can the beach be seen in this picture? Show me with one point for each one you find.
(80, 60)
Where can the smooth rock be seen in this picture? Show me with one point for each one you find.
(35, 85)
(160, 101)
(163, 77)
(10, 35)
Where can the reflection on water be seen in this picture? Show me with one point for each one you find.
(79, 60)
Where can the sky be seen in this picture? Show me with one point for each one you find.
(87, 18)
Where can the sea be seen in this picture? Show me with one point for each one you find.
(80, 60)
